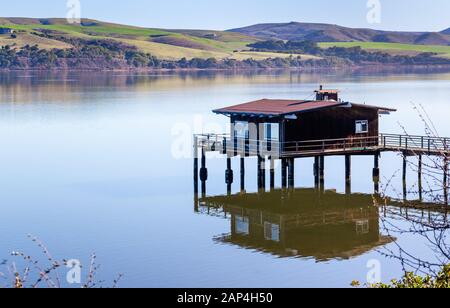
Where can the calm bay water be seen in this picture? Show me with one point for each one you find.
(100, 162)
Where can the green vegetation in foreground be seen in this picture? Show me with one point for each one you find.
(413, 281)
(443, 51)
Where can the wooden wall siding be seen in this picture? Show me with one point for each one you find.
(335, 123)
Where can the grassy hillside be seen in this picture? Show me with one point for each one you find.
(30, 39)
(120, 46)
(395, 48)
(296, 31)
(165, 44)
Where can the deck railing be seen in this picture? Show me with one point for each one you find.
(384, 142)
(415, 143)
(347, 144)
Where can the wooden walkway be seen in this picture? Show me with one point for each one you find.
(407, 144)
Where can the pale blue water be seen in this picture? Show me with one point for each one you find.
(87, 164)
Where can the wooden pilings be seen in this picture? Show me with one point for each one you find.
(319, 172)
(242, 174)
(229, 176)
(445, 181)
(348, 174)
(272, 174)
(316, 172)
(376, 173)
(419, 175)
(287, 173)
(322, 172)
(284, 173)
(404, 170)
(196, 176)
(203, 172)
(195, 154)
(261, 173)
(291, 173)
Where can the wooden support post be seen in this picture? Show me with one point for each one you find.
(261, 173)
(291, 176)
(258, 164)
(195, 152)
(348, 174)
(445, 182)
(376, 173)
(322, 173)
(242, 174)
(316, 172)
(419, 174)
(203, 172)
(283, 173)
(272, 174)
(405, 165)
(229, 177)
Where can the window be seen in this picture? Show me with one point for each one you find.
(362, 227)
(242, 225)
(271, 232)
(241, 130)
(272, 131)
(362, 127)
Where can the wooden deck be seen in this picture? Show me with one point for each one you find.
(407, 144)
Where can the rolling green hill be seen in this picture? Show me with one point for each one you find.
(164, 44)
(393, 48)
(53, 42)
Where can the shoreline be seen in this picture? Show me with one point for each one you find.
(188, 70)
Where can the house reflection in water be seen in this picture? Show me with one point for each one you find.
(303, 223)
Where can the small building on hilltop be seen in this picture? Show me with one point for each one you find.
(6, 31)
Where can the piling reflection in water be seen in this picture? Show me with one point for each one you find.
(301, 223)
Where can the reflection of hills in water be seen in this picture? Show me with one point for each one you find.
(303, 223)
(16, 85)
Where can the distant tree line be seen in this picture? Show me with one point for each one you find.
(356, 55)
(110, 54)
(308, 47)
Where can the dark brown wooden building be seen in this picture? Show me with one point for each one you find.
(299, 125)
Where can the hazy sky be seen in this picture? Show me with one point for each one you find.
(225, 14)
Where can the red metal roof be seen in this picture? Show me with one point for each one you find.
(375, 107)
(279, 107)
(327, 91)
